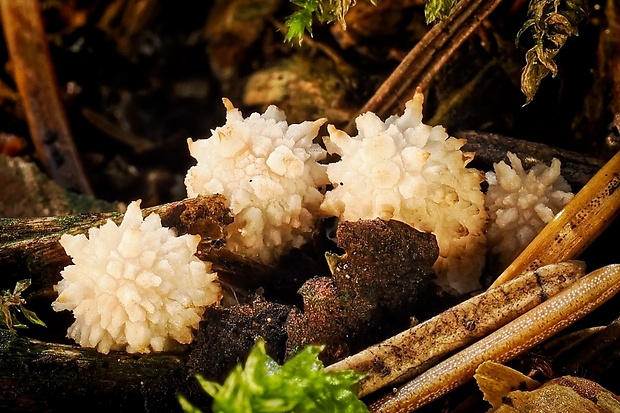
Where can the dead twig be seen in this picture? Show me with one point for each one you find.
(426, 58)
(36, 81)
(611, 41)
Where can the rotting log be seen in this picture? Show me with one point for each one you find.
(43, 377)
(491, 148)
(29, 247)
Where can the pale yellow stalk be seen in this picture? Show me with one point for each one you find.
(506, 343)
(410, 352)
(575, 226)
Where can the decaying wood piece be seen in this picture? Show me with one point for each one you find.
(579, 223)
(495, 381)
(528, 330)
(411, 352)
(491, 148)
(226, 335)
(36, 81)
(28, 192)
(596, 355)
(426, 58)
(29, 248)
(39, 377)
(384, 276)
(509, 391)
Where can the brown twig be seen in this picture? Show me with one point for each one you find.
(36, 81)
(611, 40)
(427, 57)
(596, 354)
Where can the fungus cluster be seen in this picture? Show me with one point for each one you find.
(405, 170)
(134, 287)
(520, 203)
(269, 172)
(138, 287)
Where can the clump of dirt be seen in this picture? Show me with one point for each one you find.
(376, 287)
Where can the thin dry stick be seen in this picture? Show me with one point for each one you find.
(36, 81)
(611, 39)
(412, 351)
(574, 227)
(508, 342)
(427, 57)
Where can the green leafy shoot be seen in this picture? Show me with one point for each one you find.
(301, 385)
(325, 11)
(437, 10)
(11, 304)
(552, 23)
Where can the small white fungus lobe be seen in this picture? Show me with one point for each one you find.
(520, 203)
(405, 170)
(269, 172)
(134, 287)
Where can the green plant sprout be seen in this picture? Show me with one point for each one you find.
(300, 385)
(329, 11)
(12, 303)
(325, 11)
(437, 10)
(552, 22)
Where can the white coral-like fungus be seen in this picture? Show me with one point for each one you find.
(405, 170)
(268, 171)
(134, 287)
(520, 204)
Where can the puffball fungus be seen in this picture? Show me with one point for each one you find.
(268, 171)
(521, 203)
(134, 287)
(405, 170)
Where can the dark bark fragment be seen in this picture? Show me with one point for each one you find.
(376, 287)
(29, 247)
(491, 148)
(42, 377)
(226, 336)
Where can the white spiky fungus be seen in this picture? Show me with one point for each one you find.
(269, 173)
(520, 204)
(134, 287)
(405, 170)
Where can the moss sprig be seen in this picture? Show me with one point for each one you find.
(437, 10)
(300, 385)
(12, 303)
(325, 11)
